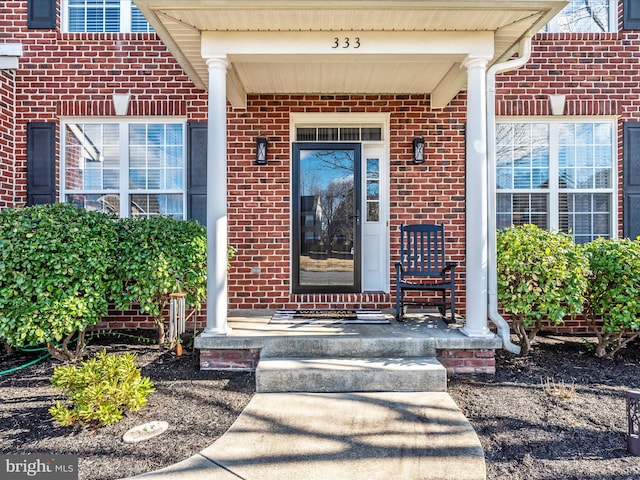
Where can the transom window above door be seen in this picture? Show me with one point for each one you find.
(340, 202)
(342, 133)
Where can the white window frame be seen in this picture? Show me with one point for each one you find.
(125, 17)
(553, 191)
(124, 191)
(552, 26)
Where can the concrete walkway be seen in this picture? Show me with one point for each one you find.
(340, 436)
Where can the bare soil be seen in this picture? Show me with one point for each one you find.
(558, 413)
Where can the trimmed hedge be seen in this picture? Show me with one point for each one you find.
(542, 276)
(612, 307)
(61, 267)
(158, 256)
(56, 265)
(546, 276)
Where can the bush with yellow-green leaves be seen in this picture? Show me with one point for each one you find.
(100, 390)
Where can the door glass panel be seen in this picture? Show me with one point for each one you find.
(373, 189)
(327, 218)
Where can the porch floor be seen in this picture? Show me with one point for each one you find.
(420, 333)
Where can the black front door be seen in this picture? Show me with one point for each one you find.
(326, 217)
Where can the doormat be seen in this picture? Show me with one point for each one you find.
(328, 316)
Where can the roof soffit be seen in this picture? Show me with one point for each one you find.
(181, 24)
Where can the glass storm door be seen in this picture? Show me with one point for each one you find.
(326, 217)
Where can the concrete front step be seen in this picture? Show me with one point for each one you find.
(336, 346)
(408, 374)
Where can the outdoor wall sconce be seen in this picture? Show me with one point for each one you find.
(418, 150)
(261, 151)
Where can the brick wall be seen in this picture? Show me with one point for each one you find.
(76, 74)
(260, 206)
(229, 359)
(598, 74)
(7, 106)
(468, 362)
(259, 197)
(572, 326)
(457, 362)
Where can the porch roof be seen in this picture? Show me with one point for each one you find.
(182, 24)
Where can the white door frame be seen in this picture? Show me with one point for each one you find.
(377, 149)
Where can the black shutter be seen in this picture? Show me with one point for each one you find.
(631, 179)
(41, 14)
(41, 163)
(197, 172)
(631, 15)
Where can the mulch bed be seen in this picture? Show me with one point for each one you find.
(199, 407)
(558, 413)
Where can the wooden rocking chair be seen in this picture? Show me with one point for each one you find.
(422, 268)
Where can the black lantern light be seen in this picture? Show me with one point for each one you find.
(261, 151)
(418, 150)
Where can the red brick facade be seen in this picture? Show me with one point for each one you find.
(467, 362)
(457, 362)
(71, 74)
(259, 206)
(598, 73)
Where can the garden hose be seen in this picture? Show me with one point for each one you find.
(31, 348)
(32, 362)
(35, 348)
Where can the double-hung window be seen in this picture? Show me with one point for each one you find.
(131, 168)
(103, 16)
(557, 175)
(585, 16)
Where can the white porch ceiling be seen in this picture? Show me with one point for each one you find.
(181, 23)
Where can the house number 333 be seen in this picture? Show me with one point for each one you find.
(346, 42)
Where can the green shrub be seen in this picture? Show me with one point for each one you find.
(612, 307)
(100, 390)
(541, 276)
(55, 272)
(157, 256)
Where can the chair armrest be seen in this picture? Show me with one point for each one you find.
(399, 268)
(451, 268)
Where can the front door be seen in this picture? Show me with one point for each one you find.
(326, 217)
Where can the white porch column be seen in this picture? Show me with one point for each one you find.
(476, 200)
(217, 199)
